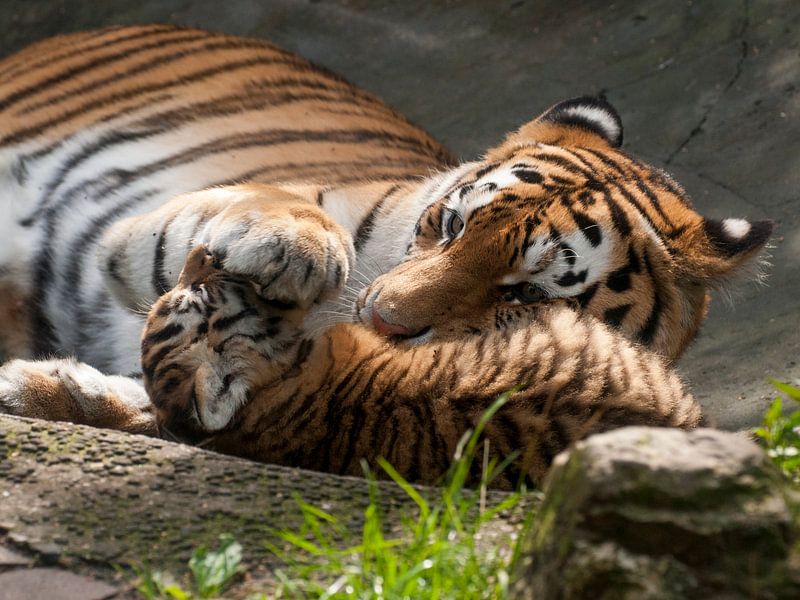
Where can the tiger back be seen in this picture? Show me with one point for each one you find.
(98, 126)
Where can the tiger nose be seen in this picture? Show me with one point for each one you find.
(384, 328)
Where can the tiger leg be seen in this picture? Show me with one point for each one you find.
(277, 239)
(67, 390)
(280, 254)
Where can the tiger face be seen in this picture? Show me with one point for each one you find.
(559, 214)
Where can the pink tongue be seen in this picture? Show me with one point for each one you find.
(385, 328)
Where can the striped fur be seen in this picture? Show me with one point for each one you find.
(227, 368)
(98, 126)
(558, 261)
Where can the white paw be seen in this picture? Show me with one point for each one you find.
(12, 386)
(297, 261)
(67, 390)
(46, 389)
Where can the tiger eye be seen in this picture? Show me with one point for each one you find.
(454, 224)
(528, 293)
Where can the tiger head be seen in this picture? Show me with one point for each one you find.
(558, 213)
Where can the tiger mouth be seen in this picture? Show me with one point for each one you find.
(420, 337)
(364, 313)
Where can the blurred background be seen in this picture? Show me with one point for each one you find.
(708, 89)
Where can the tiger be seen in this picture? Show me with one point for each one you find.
(211, 239)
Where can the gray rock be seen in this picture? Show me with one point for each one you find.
(9, 558)
(662, 514)
(53, 584)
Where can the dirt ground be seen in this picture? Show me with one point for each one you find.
(710, 90)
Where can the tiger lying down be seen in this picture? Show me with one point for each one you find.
(254, 255)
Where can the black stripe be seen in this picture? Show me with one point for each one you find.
(334, 408)
(70, 276)
(530, 223)
(304, 349)
(654, 200)
(258, 139)
(86, 67)
(570, 278)
(278, 304)
(606, 160)
(485, 170)
(112, 268)
(226, 384)
(161, 335)
(620, 280)
(119, 97)
(224, 322)
(588, 227)
(302, 414)
(129, 73)
(528, 175)
(157, 279)
(259, 95)
(587, 165)
(54, 145)
(564, 163)
(586, 295)
(648, 332)
(631, 199)
(280, 256)
(114, 179)
(151, 362)
(85, 153)
(663, 180)
(167, 386)
(368, 222)
(357, 428)
(83, 48)
(332, 172)
(614, 316)
(618, 216)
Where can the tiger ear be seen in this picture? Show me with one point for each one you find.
(725, 246)
(583, 121)
(592, 114)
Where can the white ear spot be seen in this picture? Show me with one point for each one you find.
(736, 228)
(591, 113)
(598, 116)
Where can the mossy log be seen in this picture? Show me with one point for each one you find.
(75, 494)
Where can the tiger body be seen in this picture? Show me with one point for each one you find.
(237, 204)
(99, 126)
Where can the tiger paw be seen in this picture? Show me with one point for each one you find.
(67, 390)
(292, 249)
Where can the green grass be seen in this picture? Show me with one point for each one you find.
(779, 432)
(212, 571)
(440, 552)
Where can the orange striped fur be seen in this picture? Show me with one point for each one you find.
(317, 280)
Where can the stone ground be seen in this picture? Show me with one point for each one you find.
(710, 90)
(77, 501)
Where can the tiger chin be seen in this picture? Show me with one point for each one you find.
(355, 295)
